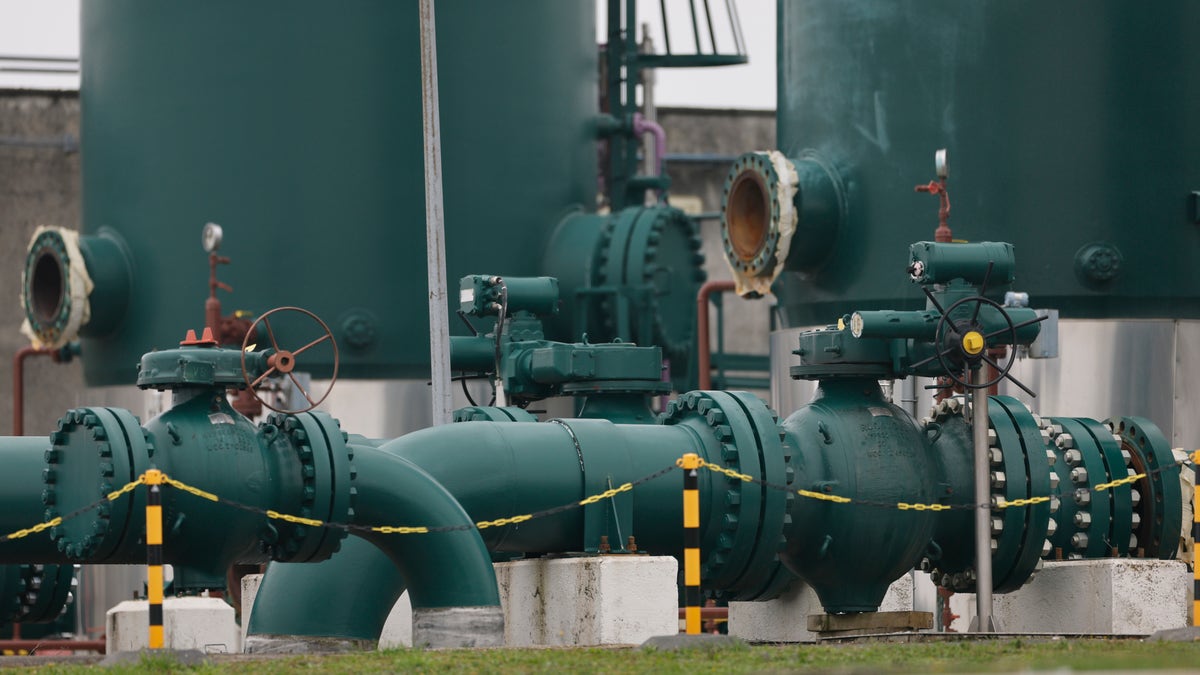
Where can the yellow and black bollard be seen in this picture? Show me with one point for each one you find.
(1196, 541)
(154, 556)
(691, 542)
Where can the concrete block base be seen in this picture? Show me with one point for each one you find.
(785, 619)
(203, 624)
(588, 601)
(1121, 596)
(597, 600)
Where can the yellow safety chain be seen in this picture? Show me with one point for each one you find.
(190, 490)
(154, 476)
(607, 494)
(1123, 481)
(905, 506)
(128, 487)
(54, 522)
(294, 519)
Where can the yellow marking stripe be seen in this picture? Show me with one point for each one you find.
(154, 526)
(692, 618)
(691, 508)
(691, 567)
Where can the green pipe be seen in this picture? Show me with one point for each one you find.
(444, 569)
(923, 325)
(23, 458)
(503, 469)
(368, 601)
(472, 353)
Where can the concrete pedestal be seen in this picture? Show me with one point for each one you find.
(785, 619)
(1122, 596)
(250, 584)
(203, 624)
(596, 600)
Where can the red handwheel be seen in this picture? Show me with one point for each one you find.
(283, 361)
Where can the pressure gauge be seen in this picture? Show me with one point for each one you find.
(939, 163)
(211, 237)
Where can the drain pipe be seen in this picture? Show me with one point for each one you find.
(702, 341)
(63, 355)
(18, 395)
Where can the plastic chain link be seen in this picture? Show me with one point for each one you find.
(154, 476)
(1192, 459)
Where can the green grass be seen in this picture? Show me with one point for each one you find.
(965, 656)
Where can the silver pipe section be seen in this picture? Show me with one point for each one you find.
(983, 537)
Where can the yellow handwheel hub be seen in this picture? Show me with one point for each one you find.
(972, 343)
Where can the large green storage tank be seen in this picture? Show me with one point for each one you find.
(297, 127)
(1067, 124)
(1071, 132)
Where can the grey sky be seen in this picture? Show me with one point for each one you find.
(51, 28)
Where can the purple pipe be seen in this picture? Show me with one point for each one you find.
(642, 126)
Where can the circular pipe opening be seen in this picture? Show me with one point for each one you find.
(47, 289)
(748, 215)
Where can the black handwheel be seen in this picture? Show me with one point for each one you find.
(969, 340)
(283, 361)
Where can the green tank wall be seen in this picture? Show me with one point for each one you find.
(297, 127)
(1067, 124)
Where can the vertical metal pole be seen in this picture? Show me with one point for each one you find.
(691, 542)
(154, 556)
(983, 515)
(435, 226)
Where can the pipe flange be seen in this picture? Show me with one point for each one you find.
(651, 255)
(1159, 493)
(326, 492)
(742, 434)
(1019, 468)
(759, 218)
(1089, 518)
(48, 590)
(93, 452)
(55, 287)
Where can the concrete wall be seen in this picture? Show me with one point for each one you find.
(701, 146)
(39, 185)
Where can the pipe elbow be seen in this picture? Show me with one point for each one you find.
(448, 571)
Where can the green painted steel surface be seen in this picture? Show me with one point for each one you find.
(1150, 453)
(442, 569)
(298, 129)
(35, 594)
(503, 469)
(632, 275)
(1070, 132)
(852, 441)
(24, 459)
(345, 611)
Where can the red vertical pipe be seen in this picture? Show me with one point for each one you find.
(702, 344)
(18, 395)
